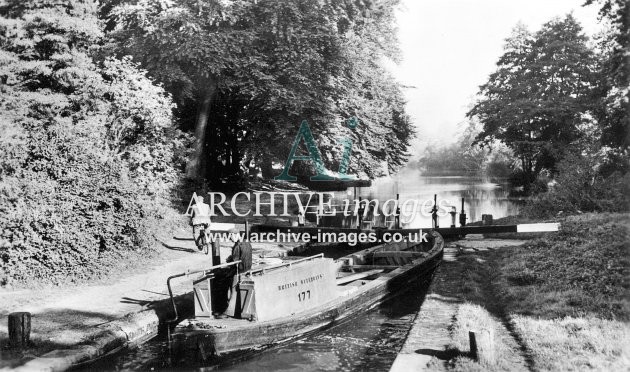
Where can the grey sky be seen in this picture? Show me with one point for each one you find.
(451, 46)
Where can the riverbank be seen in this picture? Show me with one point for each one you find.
(557, 302)
(521, 290)
(71, 325)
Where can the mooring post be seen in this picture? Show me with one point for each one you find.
(397, 218)
(19, 329)
(434, 215)
(462, 216)
(360, 211)
(472, 338)
(482, 346)
(453, 213)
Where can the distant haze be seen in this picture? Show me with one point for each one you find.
(450, 47)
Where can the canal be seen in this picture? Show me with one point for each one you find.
(371, 340)
(481, 196)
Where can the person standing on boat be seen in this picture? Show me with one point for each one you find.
(227, 279)
(241, 251)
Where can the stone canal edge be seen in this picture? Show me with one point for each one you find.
(426, 347)
(87, 323)
(133, 328)
(426, 340)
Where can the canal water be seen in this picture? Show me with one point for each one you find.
(369, 341)
(416, 197)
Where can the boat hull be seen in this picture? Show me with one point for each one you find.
(254, 336)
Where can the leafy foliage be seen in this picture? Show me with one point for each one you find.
(614, 92)
(255, 70)
(538, 100)
(463, 157)
(580, 187)
(80, 140)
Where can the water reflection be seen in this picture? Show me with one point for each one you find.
(480, 196)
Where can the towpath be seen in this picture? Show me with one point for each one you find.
(430, 345)
(71, 325)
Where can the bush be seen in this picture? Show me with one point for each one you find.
(71, 226)
(581, 188)
(139, 124)
(82, 146)
(498, 169)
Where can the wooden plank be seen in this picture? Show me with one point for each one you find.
(361, 275)
(370, 267)
(405, 254)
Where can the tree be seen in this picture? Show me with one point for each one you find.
(81, 140)
(255, 70)
(537, 100)
(613, 111)
(189, 46)
(464, 158)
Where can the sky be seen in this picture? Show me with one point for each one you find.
(449, 47)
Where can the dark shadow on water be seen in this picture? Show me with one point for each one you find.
(400, 312)
(368, 341)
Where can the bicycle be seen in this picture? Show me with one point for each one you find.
(202, 241)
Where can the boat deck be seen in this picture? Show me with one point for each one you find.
(347, 284)
(302, 295)
(348, 281)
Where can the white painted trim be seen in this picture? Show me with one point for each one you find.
(538, 227)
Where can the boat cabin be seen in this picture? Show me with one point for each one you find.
(268, 292)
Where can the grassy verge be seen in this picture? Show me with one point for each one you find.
(575, 343)
(560, 301)
(475, 317)
(581, 271)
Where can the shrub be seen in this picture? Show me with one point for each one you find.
(139, 124)
(82, 144)
(581, 188)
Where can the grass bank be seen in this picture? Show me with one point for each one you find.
(561, 300)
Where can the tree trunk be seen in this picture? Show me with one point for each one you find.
(267, 167)
(195, 166)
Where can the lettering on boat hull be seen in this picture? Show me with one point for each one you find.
(291, 289)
